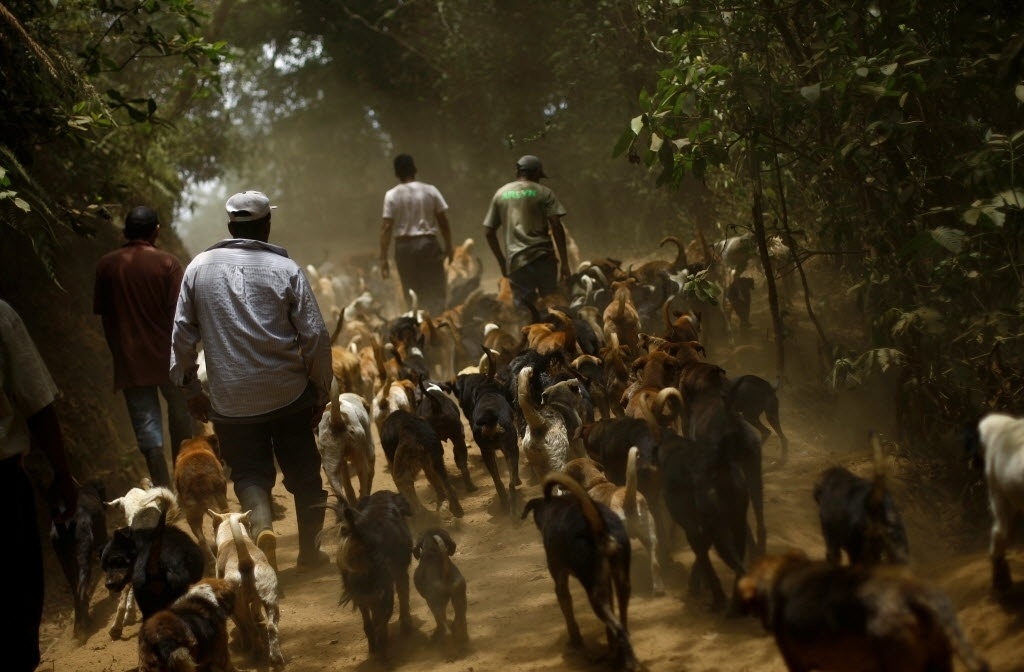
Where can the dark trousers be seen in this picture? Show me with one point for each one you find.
(420, 264)
(537, 278)
(249, 449)
(19, 625)
(147, 418)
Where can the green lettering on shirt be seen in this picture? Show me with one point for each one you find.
(522, 193)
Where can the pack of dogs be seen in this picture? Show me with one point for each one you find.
(607, 395)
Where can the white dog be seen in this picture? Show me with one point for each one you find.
(139, 508)
(345, 440)
(1000, 444)
(243, 564)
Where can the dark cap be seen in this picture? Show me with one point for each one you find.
(530, 164)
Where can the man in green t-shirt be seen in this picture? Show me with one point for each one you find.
(531, 215)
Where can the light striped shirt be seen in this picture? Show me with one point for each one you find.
(263, 336)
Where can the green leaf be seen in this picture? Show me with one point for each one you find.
(950, 239)
(22, 204)
(811, 93)
(1019, 92)
(889, 69)
(637, 123)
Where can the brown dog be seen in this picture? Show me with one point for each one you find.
(192, 633)
(627, 503)
(847, 619)
(199, 480)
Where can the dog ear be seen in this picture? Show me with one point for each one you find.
(449, 543)
(535, 503)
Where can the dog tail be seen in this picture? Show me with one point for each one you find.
(533, 418)
(876, 500)
(336, 419)
(629, 500)
(338, 327)
(595, 521)
(660, 401)
(245, 564)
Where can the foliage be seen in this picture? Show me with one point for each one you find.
(84, 87)
(889, 135)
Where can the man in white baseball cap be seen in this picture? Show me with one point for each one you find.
(248, 206)
(268, 362)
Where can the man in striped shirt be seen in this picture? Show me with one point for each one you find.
(268, 360)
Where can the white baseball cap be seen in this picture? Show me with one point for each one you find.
(248, 206)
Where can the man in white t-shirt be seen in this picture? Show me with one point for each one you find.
(415, 213)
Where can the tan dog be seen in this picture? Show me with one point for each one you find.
(627, 503)
(849, 619)
(621, 316)
(243, 565)
(192, 633)
(199, 480)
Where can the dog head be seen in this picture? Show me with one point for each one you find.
(209, 444)
(567, 392)
(118, 559)
(755, 589)
(584, 471)
(433, 542)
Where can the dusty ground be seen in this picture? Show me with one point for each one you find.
(514, 621)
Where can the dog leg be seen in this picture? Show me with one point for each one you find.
(649, 539)
(565, 602)
(772, 415)
(404, 614)
(124, 606)
(443, 489)
(461, 454)
(368, 629)
(460, 629)
(273, 615)
(438, 608)
(491, 462)
(618, 638)
(365, 471)
(1002, 518)
(343, 475)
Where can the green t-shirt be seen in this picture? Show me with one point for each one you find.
(523, 207)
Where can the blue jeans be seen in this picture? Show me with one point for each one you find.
(147, 419)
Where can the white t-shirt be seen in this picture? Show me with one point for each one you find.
(25, 383)
(413, 207)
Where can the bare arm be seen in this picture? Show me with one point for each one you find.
(492, 240)
(446, 233)
(558, 235)
(387, 225)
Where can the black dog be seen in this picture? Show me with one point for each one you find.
(585, 539)
(78, 543)
(443, 415)
(860, 517)
(490, 414)
(374, 554)
(705, 492)
(160, 562)
(753, 397)
(411, 444)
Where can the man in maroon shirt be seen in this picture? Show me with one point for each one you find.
(136, 293)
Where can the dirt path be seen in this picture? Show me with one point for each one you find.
(514, 621)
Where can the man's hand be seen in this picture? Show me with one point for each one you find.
(63, 497)
(199, 407)
(385, 270)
